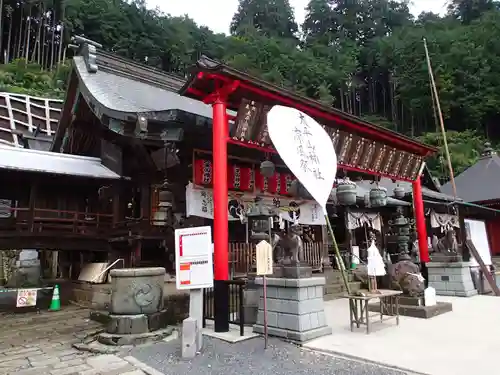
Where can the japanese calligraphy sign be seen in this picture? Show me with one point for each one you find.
(306, 149)
(193, 258)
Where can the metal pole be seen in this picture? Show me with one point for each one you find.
(264, 285)
(221, 251)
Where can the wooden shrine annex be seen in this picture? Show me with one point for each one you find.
(129, 139)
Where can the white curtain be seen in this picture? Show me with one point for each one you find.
(357, 219)
(199, 202)
(444, 221)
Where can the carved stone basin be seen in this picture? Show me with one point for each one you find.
(137, 290)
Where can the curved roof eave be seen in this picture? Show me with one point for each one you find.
(126, 99)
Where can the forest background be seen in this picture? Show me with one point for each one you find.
(365, 57)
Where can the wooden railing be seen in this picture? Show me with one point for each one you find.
(242, 256)
(58, 221)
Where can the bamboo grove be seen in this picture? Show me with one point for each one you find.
(365, 57)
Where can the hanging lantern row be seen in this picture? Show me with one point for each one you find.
(378, 196)
(347, 192)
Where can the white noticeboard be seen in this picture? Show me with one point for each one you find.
(26, 297)
(264, 258)
(193, 258)
(479, 238)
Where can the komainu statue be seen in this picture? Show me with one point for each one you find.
(448, 244)
(406, 276)
(288, 248)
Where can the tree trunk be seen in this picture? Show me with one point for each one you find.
(1, 32)
(37, 46)
(9, 38)
(52, 46)
(43, 39)
(20, 34)
(61, 37)
(28, 35)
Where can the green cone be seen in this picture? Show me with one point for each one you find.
(55, 304)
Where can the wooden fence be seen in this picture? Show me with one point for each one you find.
(242, 256)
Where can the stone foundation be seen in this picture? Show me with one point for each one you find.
(295, 309)
(451, 279)
(415, 307)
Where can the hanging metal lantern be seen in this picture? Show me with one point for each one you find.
(399, 192)
(378, 196)
(267, 168)
(347, 193)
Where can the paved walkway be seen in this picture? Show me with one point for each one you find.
(40, 344)
(461, 342)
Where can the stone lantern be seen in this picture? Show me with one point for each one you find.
(400, 226)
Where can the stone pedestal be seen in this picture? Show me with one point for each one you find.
(451, 279)
(136, 301)
(295, 308)
(251, 302)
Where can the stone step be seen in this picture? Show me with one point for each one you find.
(335, 291)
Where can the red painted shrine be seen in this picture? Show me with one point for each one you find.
(360, 146)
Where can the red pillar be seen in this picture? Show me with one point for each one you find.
(221, 256)
(418, 209)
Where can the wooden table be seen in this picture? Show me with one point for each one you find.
(358, 307)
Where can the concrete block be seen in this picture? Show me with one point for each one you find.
(321, 318)
(189, 338)
(128, 324)
(304, 322)
(302, 283)
(289, 322)
(289, 293)
(314, 320)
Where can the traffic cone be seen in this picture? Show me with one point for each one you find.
(55, 304)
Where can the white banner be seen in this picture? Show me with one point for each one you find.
(200, 202)
(306, 148)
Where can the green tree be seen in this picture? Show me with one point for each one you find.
(273, 18)
(469, 10)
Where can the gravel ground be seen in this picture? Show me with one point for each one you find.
(250, 358)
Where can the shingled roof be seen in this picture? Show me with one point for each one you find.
(123, 89)
(479, 182)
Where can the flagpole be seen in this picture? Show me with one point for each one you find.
(441, 121)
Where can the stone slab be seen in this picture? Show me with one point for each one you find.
(423, 312)
(298, 337)
(114, 339)
(297, 272)
(128, 324)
